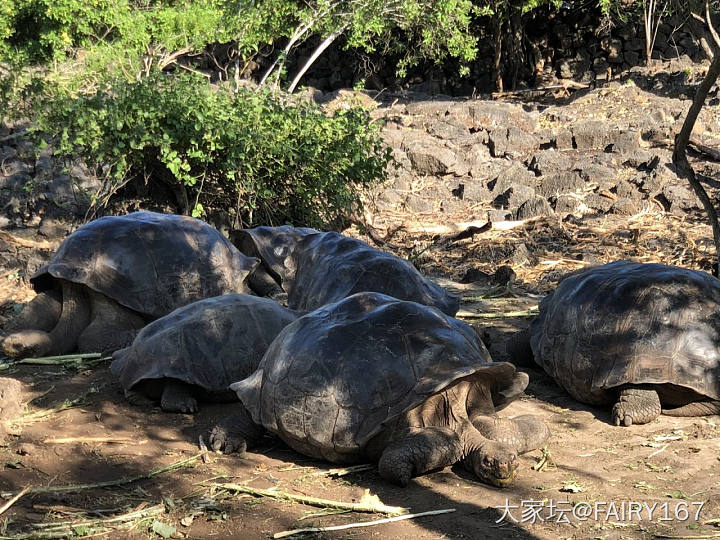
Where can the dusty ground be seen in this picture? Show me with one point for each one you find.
(672, 462)
(671, 465)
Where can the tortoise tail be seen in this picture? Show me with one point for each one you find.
(696, 408)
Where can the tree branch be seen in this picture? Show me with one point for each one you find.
(318, 51)
(679, 157)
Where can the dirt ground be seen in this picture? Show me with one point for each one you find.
(594, 481)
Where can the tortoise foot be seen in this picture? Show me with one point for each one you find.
(27, 343)
(138, 399)
(636, 406)
(178, 397)
(235, 433)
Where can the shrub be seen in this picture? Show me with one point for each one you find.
(270, 159)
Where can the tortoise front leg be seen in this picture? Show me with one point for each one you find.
(63, 337)
(420, 451)
(236, 433)
(636, 405)
(178, 396)
(522, 433)
(112, 326)
(41, 313)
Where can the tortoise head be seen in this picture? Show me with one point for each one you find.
(493, 463)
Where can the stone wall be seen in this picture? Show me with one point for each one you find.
(570, 44)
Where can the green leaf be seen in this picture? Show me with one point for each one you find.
(163, 529)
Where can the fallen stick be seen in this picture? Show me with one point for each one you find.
(371, 506)
(344, 471)
(69, 529)
(108, 483)
(469, 225)
(54, 360)
(43, 244)
(70, 440)
(692, 537)
(16, 498)
(284, 534)
(465, 314)
(658, 451)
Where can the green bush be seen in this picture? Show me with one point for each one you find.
(270, 159)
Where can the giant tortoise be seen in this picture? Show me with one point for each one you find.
(195, 352)
(317, 268)
(114, 274)
(642, 337)
(374, 377)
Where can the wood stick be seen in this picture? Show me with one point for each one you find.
(69, 440)
(345, 470)
(284, 534)
(463, 226)
(313, 501)
(465, 314)
(54, 360)
(43, 244)
(108, 483)
(15, 499)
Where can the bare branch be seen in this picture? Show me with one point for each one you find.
(318, 51)
(679, 157)
(711, 28)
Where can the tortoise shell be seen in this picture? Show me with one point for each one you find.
(319, 268)
(331, 379)
(210, 343)
(630, 323)
(149, 262)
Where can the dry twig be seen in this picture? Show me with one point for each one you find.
(284, 534)
(372, 502)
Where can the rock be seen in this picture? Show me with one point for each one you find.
(535, 206)
(16, 182)
(514, 175)
(511, 142)
(12, 394)
(449, 129)
(475, 275)
(640, 159)
(549, 161)
(514, 196)
(7, 153)
(598, 202)
(498, 214)
(504, 275)
(568, 203)
(591, 135)
(631, 57)
(553, 185)
(417, 204)
(475, 191)
(523, 255)
(614, 49)
(52, 227)
(490, 115)
(635, 44)
(626, 142)
(680, 197)
(625, 207)
(595, 174)
(626, 190)
(429, 158)
(434, 108)
(657, 178)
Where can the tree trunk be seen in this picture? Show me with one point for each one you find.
(497, 62)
